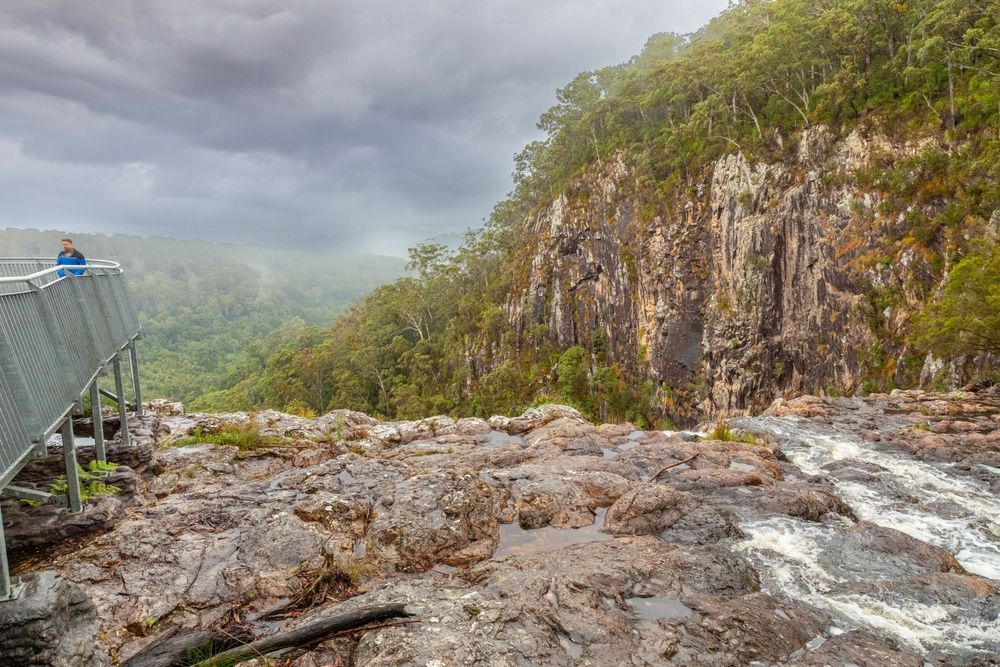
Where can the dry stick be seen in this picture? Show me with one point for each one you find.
(672, 465)
(237, 640)
(201, 564)
(121, 576)
(305, 634)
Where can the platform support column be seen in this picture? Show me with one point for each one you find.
(72, 475)
(134, 364)
(100, 451)
(8, 589)
(120, 393)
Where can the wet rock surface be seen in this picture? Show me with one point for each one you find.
(541, 539)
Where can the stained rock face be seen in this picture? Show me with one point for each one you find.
(755, 288)
(540, 539)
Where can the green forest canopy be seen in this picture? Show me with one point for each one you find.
(206, 308)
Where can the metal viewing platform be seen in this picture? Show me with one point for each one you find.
(60, 328)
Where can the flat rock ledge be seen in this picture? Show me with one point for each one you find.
(538, 539)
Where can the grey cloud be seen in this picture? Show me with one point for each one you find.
(355, 122)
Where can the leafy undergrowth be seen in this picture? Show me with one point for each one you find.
(92, 483)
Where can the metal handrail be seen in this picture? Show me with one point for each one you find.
(91, 264)
(58, 333)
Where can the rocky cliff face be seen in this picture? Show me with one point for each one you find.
(758, 285)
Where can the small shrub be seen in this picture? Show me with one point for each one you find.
(726, 434)
(300, 409)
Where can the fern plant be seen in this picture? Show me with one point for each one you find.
(92, 482)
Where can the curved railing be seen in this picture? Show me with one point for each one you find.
(60, 327)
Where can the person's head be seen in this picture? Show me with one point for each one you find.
(67, 245)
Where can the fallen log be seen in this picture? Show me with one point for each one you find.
(305, 635)
(218, 648)
(672, 465)
(171, 649)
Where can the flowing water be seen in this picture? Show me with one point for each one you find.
(824, 565)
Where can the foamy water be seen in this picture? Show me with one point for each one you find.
(955, 512)
(929, 501)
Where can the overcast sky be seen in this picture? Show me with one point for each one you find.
(364, 124)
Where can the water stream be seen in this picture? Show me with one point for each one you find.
(822, 564)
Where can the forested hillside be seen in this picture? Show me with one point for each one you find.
(769, 206)
(207, 307)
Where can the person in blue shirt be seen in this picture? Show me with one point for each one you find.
(70, 255)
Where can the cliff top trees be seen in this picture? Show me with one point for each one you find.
(966, 318)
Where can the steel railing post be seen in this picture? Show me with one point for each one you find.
(6, 590)
(120, 391)
(134, 364)
(72, 475)
(100, 452)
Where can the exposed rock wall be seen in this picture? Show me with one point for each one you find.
(755, 287)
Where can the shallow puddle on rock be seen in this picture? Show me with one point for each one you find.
(574, 650)
(517, 540)
(78, 440)
(345, 477)
(360, 548)
(656, 608)
(500, 439)
(624, 447)
(609, 453)
(442, 568)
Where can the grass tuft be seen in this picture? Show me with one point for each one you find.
(726, 434)
(245, 438)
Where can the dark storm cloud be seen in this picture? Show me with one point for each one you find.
(359, 123)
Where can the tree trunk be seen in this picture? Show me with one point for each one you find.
(175, 649)
(305, 635)
(951, 98)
